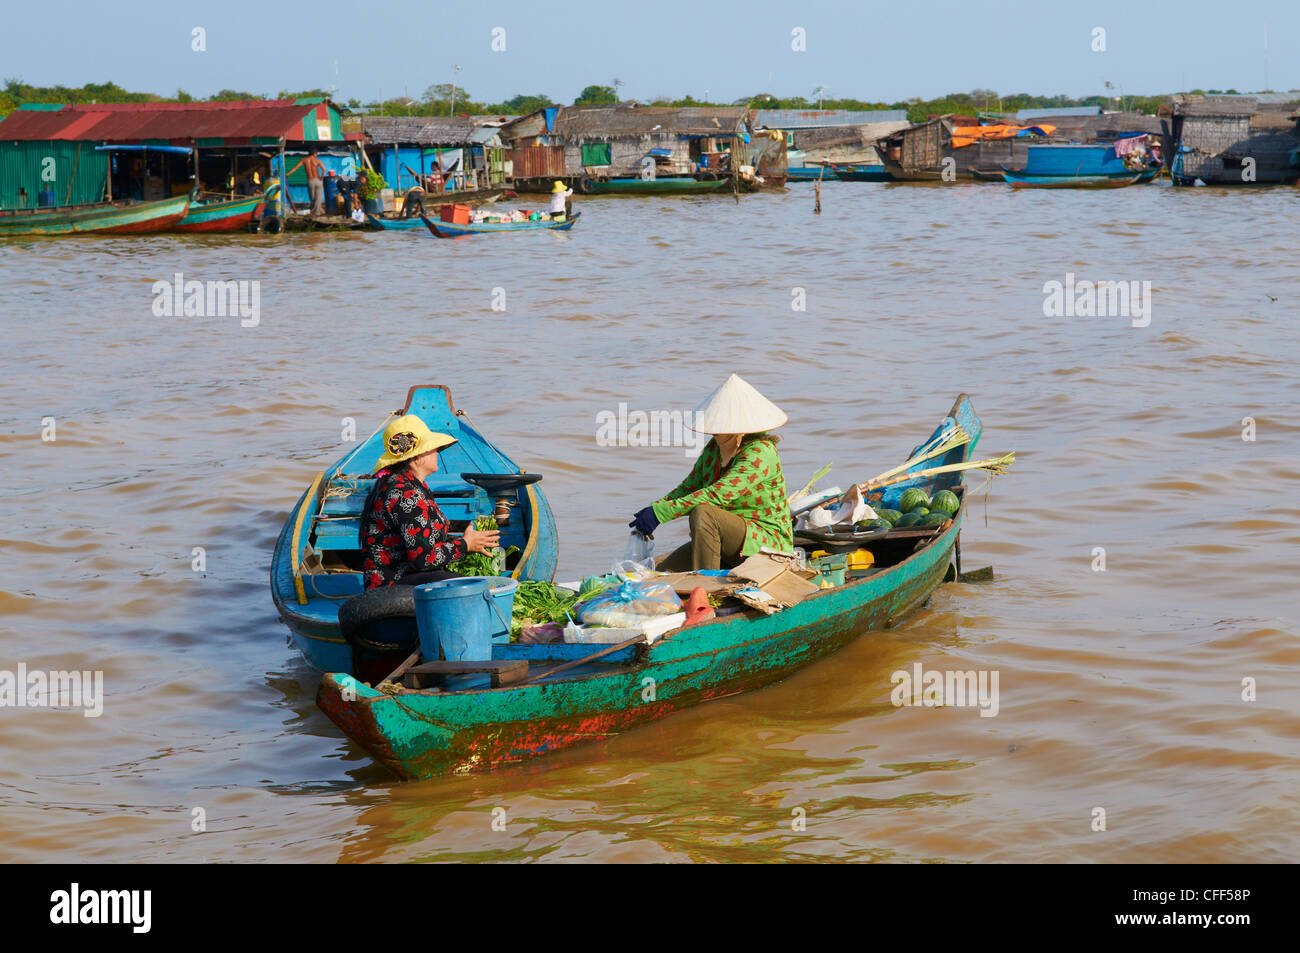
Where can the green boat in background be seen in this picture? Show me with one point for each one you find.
(671, 185)
(97, 218)
(584, 694)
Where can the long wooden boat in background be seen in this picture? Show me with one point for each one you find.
(666, 185)
(221, 215)
(863, 173)
(422, 733)
(452, 230)
(317, 560)
(1019, 180)
(96, 218)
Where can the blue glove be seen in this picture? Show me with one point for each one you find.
(644, 522)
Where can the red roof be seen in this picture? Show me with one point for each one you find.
(134, 122)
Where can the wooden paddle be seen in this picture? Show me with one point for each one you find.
(574, 663)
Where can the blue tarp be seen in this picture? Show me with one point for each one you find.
(342, 164)
(422, 159)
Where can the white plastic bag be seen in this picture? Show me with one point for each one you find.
(638, 560)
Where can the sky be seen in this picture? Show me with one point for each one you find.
(883, 52)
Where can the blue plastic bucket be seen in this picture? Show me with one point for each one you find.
(455, 618)
(502, 590)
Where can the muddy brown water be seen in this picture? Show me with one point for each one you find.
(1119, 689)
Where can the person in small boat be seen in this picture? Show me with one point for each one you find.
(560, 196)
(405, 539)
(734, 496)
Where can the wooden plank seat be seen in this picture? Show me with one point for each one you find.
(502, 671)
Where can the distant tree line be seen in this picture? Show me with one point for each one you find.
(442, 99)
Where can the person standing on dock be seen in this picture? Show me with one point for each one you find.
(560, 201)
(315, 170)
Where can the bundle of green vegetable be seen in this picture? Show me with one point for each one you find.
(478, 564)
(537, 603)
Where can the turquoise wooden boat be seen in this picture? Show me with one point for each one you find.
(394, 224)
(451, 230)
(1019, 180)
(98, 218)
(421, 733)
(669, 185)
(863, 173)
(810, 173)
(315, 567)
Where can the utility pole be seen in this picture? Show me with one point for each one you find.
(454, 71)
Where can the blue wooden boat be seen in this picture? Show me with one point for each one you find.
(810, 173)
(316, 563)
(863, 173)
(393, 224)
(424, 732)
(450, 230)
(1019, 180)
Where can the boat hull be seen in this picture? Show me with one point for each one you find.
(668, 186)
(1018, 180)
(106, 218)
(420, 734)
(230, 216)
(450, 230)
(864, 173)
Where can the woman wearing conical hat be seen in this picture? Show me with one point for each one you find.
(735, 494)
(405, 539)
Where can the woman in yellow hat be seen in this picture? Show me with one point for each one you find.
(405, 539)
(735, 494)
(559, 201)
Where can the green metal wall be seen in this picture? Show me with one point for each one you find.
(22, 164)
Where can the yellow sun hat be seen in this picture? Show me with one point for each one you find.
(409, 437)
(558, 187)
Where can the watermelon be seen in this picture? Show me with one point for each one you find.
(912, 498)
(945, 500)
(878, 523)
(891, 515)
(920, 510)
(937, 518)
(906, 520)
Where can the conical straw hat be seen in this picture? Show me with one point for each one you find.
(736, 407)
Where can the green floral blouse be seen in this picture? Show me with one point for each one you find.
(752, 487)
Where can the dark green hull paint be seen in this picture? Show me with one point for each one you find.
(419, 735)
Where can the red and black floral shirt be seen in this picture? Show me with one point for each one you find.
(403, 531)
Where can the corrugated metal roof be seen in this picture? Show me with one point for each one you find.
(819, 118)
(1058, 111)
(131, 122)
(427, 130)
(1191, 104)
(613, 121)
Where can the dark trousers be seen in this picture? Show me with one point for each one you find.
(717, 536)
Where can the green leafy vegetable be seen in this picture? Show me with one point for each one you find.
(479, 564)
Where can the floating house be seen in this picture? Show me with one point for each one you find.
(953, 147)
(442, 153)
(636, 148)
(60, 155)
(1231, 140)
(837, 136)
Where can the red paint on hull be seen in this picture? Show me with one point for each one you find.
(231, 223)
